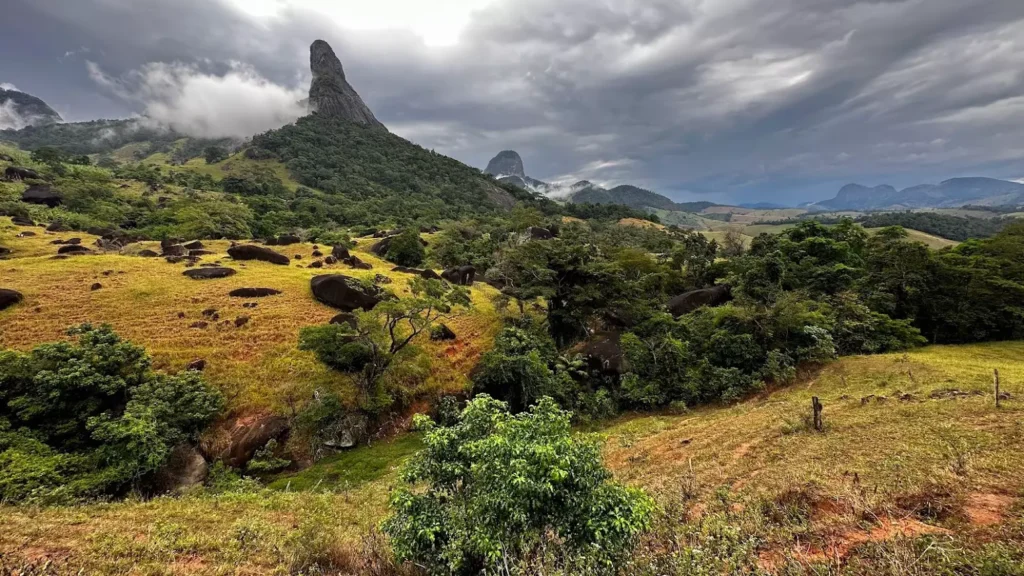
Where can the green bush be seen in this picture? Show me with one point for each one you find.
(90, 418)
(495, 489)
(406, 249)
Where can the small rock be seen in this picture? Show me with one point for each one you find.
(96, 286)
(197, 365)
(199, 324)
(241, 321)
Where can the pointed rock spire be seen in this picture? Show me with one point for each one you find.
(330, 94)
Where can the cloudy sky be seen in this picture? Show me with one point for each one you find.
(727, 100)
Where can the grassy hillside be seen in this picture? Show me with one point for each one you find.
(258, 366)
(916, 470)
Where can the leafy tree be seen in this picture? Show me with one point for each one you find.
(214, 154)
(497, 488)
(90, 418)
(406, 249)
(383, 337)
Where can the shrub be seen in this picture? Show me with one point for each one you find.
(90, 418)
(498, 488)
(406, 249)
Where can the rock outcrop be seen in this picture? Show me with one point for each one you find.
(330, 94)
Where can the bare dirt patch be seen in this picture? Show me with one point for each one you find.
(987, 509)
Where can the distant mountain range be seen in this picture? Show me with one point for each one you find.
(18, 110)
(507, 167)
(949, 194)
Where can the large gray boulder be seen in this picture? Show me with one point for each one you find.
(689, 301)
(345, 293)
(9, 298)
(42, 194)
(185, 467)
(330, 94)
(253, 252)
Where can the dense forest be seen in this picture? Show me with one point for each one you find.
(957, 228)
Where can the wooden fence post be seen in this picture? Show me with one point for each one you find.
(816, 406)
(995, 380)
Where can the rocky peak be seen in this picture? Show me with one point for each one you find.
(330, 94)
(18, 110)
(506, 163)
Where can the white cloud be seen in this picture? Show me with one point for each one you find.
(236, 104)
(8, 86)
(10, 118)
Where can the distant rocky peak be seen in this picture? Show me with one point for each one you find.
(330, 93)
(506, 163)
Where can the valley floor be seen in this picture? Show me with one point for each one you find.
(916, 468)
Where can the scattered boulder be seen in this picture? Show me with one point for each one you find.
(147, 254)
(345, 293)
(460, 275)
(430, 275)
(298, 256)
(185, 467)
(330, 260)
(21, 173)
(58, 226)
(9, 298)
(26, 234)
(43, 195)
(250, 305)
(381, 279)
(253, 252)
(441, 332)
(200, 252)
(603, 352)
(347, 432)
(195, 245)
(209, 273)
(22, 221)
(73, 249)
(243, 436)
(241, 321)
(339, 252)
(6, 158)
(689, 301)
(4, 251)
(96, 286)
(174, 250)
(288, 240)
(346, 318)
(108, 245)
(317, 264)
(538, 233)
(253, 292)
(197, 365)
(354, 262)
(317, 254)
(199, 325)
(381, 248)
(211, 313)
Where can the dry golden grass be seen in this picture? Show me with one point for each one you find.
(900, 447)
(862, 478)
(258, 366)
(636, 222)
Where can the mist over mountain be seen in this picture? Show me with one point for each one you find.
(18, 110)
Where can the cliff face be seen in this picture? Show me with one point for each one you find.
(330, 94)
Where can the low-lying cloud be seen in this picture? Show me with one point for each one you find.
(234, 104)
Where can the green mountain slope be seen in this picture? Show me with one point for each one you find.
(342, 158)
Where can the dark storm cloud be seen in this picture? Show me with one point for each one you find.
(731, 99)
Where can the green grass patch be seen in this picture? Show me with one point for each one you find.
(353, 468)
